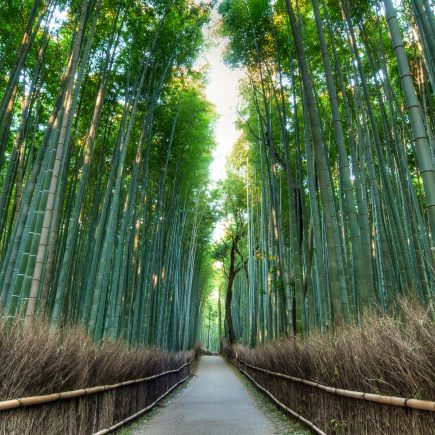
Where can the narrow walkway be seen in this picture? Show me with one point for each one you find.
(214, 403)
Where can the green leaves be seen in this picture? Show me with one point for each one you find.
(323, 185)
(129, 221)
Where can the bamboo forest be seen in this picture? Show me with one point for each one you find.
(190, 187)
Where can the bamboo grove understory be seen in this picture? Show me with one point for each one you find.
(106, 137)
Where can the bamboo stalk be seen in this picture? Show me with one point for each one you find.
(423, 405)
(37, 400)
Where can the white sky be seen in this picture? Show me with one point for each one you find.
(222, 91)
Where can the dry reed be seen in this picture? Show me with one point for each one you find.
(388, 355)
(38, 359)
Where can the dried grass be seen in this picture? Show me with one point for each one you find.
(389, 355)
(38, 359)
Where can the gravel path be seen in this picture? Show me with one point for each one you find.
(215, 402)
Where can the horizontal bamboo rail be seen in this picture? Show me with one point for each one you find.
(143, 411)
(422, 405)
(286, 408)
(38, 400)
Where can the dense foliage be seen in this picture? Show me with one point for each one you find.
(106, 139)
(105, 142)
(335, 214)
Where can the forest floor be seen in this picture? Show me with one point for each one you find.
(217, 401)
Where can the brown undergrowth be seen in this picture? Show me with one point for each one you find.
(38, 359)
(391, 355)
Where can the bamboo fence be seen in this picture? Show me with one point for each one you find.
(310, 424)
(99, 409)
(334, 410)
